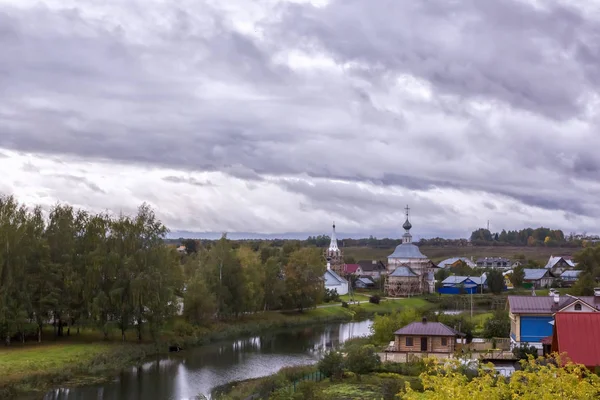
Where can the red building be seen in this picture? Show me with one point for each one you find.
(578, 335)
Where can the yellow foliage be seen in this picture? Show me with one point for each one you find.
(538, 380)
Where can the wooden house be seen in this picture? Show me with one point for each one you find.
(426, 337)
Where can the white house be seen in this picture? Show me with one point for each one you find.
(335, 282)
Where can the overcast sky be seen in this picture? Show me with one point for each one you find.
(282, 116)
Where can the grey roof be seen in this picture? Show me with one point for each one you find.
(366, 281)
(427, 329)
(553, 260)
(570, 273)
(368, 265)
(403, 271)
(457, 280)
(532, 274)
(545, 304)
(493, 259)
(452, 260)
(332, 276)
(407, 250)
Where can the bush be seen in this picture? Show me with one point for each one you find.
(345, 304)
(332, 365)
(523, 352)
(375, 299)
(362, 360)
(331, 295)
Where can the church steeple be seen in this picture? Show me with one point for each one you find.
(407, 238)
(333, 246)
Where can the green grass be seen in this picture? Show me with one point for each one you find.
(437, 254)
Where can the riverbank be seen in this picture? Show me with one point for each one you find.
(81, 360)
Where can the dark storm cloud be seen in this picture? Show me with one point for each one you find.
(194, 93)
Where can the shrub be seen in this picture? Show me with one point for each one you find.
(362, 360)
(332, 365)
(345, 304)
(375, 299)
(331, 295)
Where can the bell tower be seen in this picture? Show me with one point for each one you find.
(334, 256)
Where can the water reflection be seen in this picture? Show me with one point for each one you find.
(182, 376)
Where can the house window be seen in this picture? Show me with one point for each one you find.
(444, 341)
(409, 342)
(577, 307)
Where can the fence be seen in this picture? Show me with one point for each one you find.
(315, 376)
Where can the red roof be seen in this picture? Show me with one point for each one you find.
(577, 333)
(351, 268)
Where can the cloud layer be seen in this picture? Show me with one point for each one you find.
(280, 116)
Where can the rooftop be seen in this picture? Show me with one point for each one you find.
(407, 250)
(535, 274)
(554, 259)
(545, 304)
(403, 271)
(425, 328)
(577, 334)
(457, 279)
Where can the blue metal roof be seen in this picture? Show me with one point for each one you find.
(407, 250)
(534, 274)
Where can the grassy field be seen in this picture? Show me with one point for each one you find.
(437, 254)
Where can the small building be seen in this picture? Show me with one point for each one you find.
(463, 284)
(577, 335)
(569, 277)
(364, 283)
(537, 278)
(456, 261)
(353, 269)
(426, 337)
(335, 282)
(493, 262)
(181, 249)
(372, 268)
(531, 317)
(558, 264)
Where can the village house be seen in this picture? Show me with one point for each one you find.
(426, 338)
(493, 262)
(569, 277)
(352, 269)
(531, 317)
(456, 261)
(364, 283)
(409, 271)
(558, 264)
(372, 268)
(463, 284)
(577, 335)
(537, 278)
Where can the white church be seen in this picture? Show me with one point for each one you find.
(335, 266)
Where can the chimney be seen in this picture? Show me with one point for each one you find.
(556, 297)
(424, 320)
(597, 292)
(374, 262)
(328, 265)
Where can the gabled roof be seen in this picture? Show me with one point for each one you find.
(545, 304)
(371, 265)
(404, 271)
(570, 273)
(577, 335)
(533, 274)
(366, 280)
(427, 329)
(553, 260)
(449, 261)
(351, 268)
(457, 280)
(332, 276)
(590, 306)
(493, 259)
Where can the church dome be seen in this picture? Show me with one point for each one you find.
(407, 250)
(407, 225)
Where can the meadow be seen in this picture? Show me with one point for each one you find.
(437, 254)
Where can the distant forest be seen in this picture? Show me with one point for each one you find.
(531, 237)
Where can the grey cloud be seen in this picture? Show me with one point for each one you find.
(29, 167)
(80, 180)
(189, 181)
(194, 94)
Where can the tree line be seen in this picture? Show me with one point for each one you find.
(71, 269)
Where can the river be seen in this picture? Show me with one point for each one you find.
(185, 375)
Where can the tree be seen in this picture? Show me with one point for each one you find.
(498, 326)
(304, 278)
(518, 276)
(199, 303)
(384, 326)
(332, 365)
(495, 281)
(191, 246)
